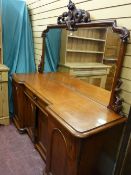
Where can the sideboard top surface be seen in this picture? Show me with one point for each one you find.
(42, 81)
(71, 102)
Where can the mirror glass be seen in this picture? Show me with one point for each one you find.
(90, 54)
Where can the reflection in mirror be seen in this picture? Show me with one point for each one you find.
(52, 54)
(89, 54)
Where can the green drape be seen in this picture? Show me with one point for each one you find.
(18, 51)
(52, 50)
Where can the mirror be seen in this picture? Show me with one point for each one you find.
(91, 51)
(90, 54)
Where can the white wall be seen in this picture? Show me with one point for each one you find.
(44, 12)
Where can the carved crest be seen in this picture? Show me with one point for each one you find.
(73, 16)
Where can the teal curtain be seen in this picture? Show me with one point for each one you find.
(52, 50)
(18, 51)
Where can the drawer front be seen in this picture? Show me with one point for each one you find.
(3, 76)
(35, 98)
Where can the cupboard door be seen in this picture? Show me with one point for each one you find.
(42, 133)
(62, 151)
(30, 111)
(59, 158)
(18, 99)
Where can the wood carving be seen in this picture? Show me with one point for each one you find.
(119, 83)
(115, 100)
(117, 106)
(124, 33)
(73, 16)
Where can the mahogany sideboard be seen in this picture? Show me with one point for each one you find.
(69, 123)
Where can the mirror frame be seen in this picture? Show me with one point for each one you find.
(70, 21)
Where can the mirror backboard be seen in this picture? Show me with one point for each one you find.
(92, 52)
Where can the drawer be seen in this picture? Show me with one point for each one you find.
(35, 98)
(3, 76)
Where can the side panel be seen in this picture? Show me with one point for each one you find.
(18, 99)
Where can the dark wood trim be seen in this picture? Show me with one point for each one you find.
(93, 23)
(116, 101)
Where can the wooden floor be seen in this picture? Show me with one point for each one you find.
(17, 154)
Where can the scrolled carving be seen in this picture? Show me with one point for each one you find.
(118, 87)
(124, 33)
(73, 16)
(117, 106)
